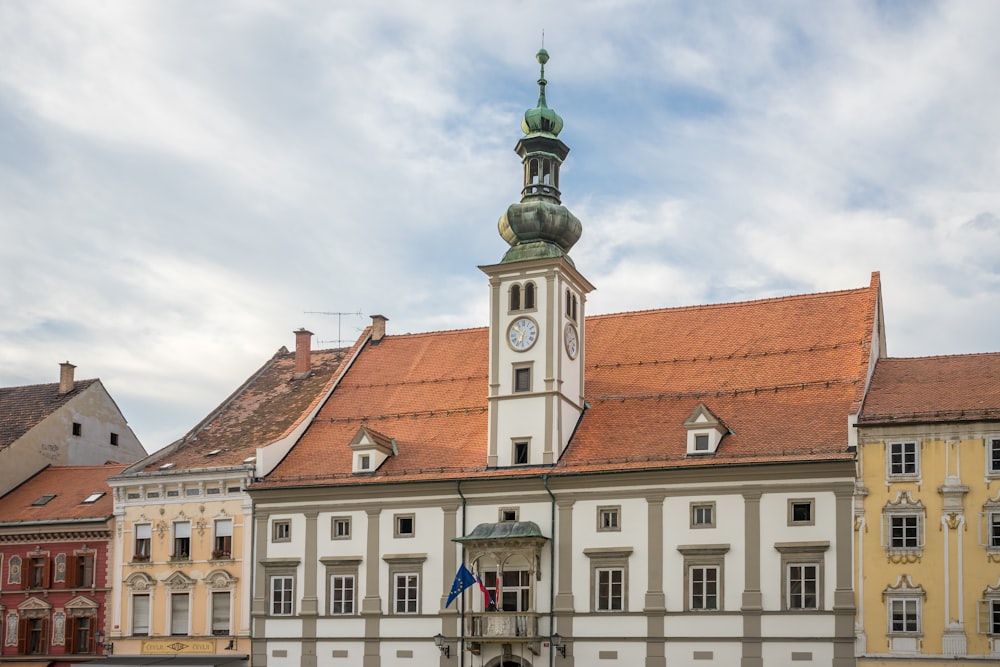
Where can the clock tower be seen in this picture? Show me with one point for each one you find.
(537, 297)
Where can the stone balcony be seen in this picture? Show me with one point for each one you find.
(499, 626)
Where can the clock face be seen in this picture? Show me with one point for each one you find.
(571, 341)
(522, 334)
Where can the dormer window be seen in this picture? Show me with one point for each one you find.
(704, 432)
(371, 449)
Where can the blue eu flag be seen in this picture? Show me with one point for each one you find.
(463, 579)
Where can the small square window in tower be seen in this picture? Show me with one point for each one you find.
(520, 453)
(522, 379)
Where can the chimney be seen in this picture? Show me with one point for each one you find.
(303, 353)
(66, 377)
(378, 328)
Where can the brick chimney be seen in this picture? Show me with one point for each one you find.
(303, 353)
(66, 377)
(378, 328)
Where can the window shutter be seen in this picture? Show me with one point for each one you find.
(45, 635)
(22, 636)
(72, 568)
(71, 627)
(91, 640)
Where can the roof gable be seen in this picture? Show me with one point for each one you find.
(23, 408)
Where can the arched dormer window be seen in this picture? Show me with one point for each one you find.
(529, 296)
(515, 297)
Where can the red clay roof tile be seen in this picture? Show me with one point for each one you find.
(23, 408)
(70, 485)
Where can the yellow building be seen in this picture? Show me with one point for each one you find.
(183, 544)
(927, 512)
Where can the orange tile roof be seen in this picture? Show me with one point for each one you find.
(934, 389)
(71, 485)
(783, 374)
(265, 409)
(23, 408)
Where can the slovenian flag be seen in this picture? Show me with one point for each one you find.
(487, 598)
(463, 579)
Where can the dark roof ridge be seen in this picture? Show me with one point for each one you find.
(77, 384)
(730, 304)
(943, 356)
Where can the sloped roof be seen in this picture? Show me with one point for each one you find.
(783, 374)
(934, 389)
(70, 485)
(269, 405)
(23, 408)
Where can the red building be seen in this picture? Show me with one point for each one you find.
(56, 530)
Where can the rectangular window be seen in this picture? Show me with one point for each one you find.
(703, 515)
(182, 540)
(800, 512)
(79, 636)
(903, 459)
(608, 519)
(180, 604)
(38, 572)
(342, 594)
(701, 442)
(36, 630)
(993, 454)
(520, 453)
(508, 514)
(365, 461)
(406, 592)
(223, 546)
(143, 541)
(610, 589)
(281, 595)
(82, 575)
(704, 587)
(904, 531)
(77, 429)
(802, 586)
(904, 615)
(404, 525)
(281, 531)
(140, 615)
(994, 527)
(221, 603)
(114, 439)
(522, 379)
(341, 527)
(994, 617)
(194, 491)
(514, 591)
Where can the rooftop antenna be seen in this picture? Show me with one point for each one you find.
(340, 316)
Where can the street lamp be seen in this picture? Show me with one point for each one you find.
(439, 642)
(557, 643)
(109, 648)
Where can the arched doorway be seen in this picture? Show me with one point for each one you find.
(508, 661)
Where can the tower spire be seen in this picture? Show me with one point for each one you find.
(540, 226)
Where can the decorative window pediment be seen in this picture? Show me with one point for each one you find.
(370, 450)
(178, 581)
(34, 608)
(903, 588)
(81, 605)
(221, 580)
(139, 581)
(704, 432)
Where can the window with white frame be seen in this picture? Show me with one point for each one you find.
(406, 593)
(610, 589)
(904, 623)
(281, 530)
(703, 515)
(989, 611)
(140, 615)
(221, 612)
(143, 542)
(404, 525)
(223, 545)
(405, 573)
(341, 527)
(182, 540)
(180, 605)
(514, 588)
(993, 455)
(609, 578)
(609, 518)
(903, 525)
(282, 589)
(989, 525)
(903, 459)
(342, 594)
(703, 576)
(802, 574)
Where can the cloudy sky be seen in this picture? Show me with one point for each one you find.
(182, 182)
